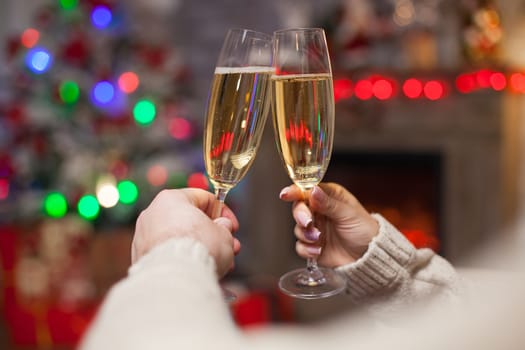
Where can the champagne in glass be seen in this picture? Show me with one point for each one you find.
(303, 109)
(237, 110)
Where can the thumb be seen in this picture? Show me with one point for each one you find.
(328, 204)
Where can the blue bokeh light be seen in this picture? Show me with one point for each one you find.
(38, 60)
(103, 92)
(101, 17)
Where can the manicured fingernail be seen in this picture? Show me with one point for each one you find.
(312, 234)
(313, 250)
(304, 219)
(284, 192)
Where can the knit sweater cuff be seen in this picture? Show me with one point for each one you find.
(173, 254)
(388, 254)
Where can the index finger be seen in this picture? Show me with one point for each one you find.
(291, 193)
(205, 201)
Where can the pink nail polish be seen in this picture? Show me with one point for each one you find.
(304, 219)
(313, 250)
(284, 192)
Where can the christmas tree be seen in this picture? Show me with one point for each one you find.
(96, 117)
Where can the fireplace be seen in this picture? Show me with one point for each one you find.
(404, 187)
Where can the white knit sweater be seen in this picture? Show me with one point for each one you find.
(171, 300)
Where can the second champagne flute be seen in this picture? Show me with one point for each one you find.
(237, 109)
(303, 110)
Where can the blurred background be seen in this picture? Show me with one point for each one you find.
(102, 105)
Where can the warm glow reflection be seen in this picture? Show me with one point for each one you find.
(224, 145)
(299, 133)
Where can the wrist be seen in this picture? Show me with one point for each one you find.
(371, 228)
(389, 253)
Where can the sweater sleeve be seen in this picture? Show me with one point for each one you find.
(393, 273)
(168, 298)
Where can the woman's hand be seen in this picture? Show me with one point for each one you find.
(341, 230)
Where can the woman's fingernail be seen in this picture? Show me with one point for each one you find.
(313, 250)
(304, 219)
(312, 234)
(284, 192)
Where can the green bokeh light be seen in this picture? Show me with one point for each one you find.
(68, 4)
(88, 207)
(69, 92)
(128, 192)
(55, 205)
(144, 112)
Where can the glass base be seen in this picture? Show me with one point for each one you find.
(312, 284)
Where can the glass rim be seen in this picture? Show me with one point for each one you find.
(255, 34)
(298, 29)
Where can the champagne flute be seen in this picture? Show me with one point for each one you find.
(237, 109)
(303, 119)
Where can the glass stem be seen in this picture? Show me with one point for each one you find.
(311, 264)
(220, 195)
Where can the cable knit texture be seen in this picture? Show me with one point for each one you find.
(393, 273)
(169, 292)
(171, 299)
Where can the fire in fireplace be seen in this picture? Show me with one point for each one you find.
(404, 187)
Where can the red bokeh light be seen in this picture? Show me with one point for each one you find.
(517, 82)
(119, 169)
(363, 89)
(157, 175)
(342, 89)
(483, 78)
(433, 90)
(128, 82)
(466, 83)
(198, 180)
(180, 128)
(412, 88)
(30, 37)
(4, 189)
(498, 81)
(383, 89)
